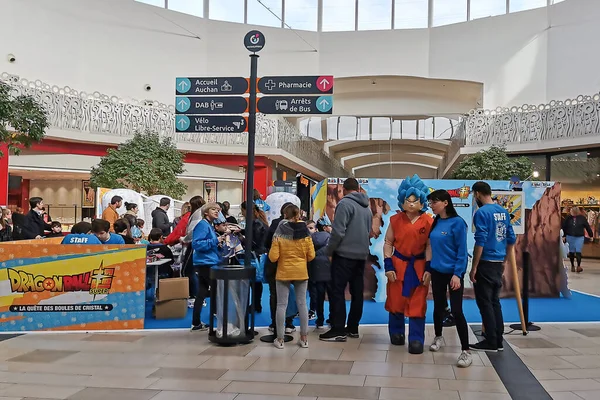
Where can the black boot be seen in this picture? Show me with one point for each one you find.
(415, 347)
(397, 339)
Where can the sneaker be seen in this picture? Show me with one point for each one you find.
(204, 303)
(271, 328)
(290, 329)
(579, 270)
(319, 324)
(501, 346)
(484, 345)
(278, 343)
(312, 315)
(437, 344)
(464, 360)
(191, 303)
(303, 343)
(352, 332)
(333, 336)
(201, 327)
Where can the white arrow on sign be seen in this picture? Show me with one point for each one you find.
(182, 103)
(182, 123)
(182, 85)
(324, 82)
(323, 103)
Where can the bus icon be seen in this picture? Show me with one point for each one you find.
(281, 105)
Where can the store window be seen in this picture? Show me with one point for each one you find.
(339, 15)
(487, 8)
(579, 175)
(374, 14)
(411, 14)
(301, 14)
(522, 5)
(192, 7)
(157, 3)
(446, 12)
(226, 10)
(269, 13)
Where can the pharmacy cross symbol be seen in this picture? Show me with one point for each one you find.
(270, 84)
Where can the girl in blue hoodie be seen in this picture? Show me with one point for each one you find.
(446, 265)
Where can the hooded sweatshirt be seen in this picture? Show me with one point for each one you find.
(351, 227)
(319, 269)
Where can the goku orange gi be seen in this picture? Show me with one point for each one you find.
(404, 252)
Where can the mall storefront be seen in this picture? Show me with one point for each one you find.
(579, 175)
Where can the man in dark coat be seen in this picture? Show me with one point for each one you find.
(160, 219)
(34, 226)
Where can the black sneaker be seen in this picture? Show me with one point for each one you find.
(312, 315)
(201, 327)
(352, 332)
(290, 328)
(501, 346)
(484, 345)
(333, 336)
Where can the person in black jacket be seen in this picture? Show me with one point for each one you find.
(160, 219)
(34, 226)
(121, 227)
(574, 228)
(270, 272)
(319, 270)
(259, 236)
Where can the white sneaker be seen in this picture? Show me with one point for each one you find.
(278, 343)
(303, 343)
(290, 329)
(437, 344)
(465, 359)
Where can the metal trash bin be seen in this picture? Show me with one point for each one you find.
(230, 305)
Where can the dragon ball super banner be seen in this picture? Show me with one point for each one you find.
(74, 287)
(535, 199)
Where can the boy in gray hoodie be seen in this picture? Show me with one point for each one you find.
(349, 248)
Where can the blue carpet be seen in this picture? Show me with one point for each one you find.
(580, 308)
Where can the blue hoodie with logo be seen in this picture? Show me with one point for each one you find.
(493, 232)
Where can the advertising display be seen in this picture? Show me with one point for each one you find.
(535, 216)
(71, 287)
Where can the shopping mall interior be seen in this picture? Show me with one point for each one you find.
(418, 87)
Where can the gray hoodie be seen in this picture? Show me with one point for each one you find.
(351, 227)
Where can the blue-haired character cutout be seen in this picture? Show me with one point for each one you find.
(404, 252)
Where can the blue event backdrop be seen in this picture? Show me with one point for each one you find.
(383, 195)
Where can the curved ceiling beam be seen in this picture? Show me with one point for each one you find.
(392, 163)
(386, 150)
(336, 146)
(366, 159)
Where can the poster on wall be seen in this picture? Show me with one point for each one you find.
(100, 192)
(513, 203)
(89, 195)
(210, 191)
(76, 288)
(538, 201)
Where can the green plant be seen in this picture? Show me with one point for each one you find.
(145, 163)
(23, 121)
(493, 164)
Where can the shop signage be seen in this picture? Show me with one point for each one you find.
(291, 105)
(211, 86)
(211, 105)
(296, 84)
(254, 41)
(211, 123)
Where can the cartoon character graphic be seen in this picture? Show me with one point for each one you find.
(404, 252)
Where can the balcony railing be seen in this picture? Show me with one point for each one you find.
(558, 120)
(96, 113)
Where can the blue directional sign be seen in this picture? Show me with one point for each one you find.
(295, 105)
(211, 105)
(211, 86)
(211, 123)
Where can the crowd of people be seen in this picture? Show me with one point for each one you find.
(323, 259)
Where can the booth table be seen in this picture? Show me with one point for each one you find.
(157, 264)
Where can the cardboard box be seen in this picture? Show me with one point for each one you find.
(173, 289)
(171, 309)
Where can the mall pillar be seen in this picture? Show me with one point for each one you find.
(4, 175)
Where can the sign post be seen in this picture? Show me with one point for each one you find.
(254, 41)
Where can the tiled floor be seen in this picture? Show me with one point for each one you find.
(182, 365)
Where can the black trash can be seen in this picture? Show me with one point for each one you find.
(231, 312)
